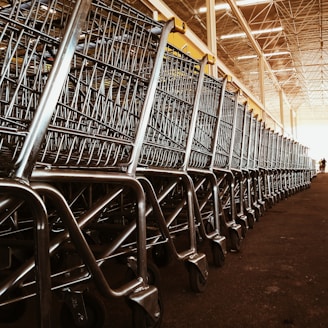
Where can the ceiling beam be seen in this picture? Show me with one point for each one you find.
(246, 28)
(264, 65)
(167, 12)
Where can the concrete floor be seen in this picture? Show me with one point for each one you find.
(278, 279)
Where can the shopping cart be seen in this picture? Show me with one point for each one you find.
(265, 166)
(254, 196)
(239, 156)
(77, 83)
(222, 169)
(247, 166)
(275, 167)
(284, 166)
(200, 165)
(292, 167)
(288, 167)
(162, 165)
(280, 166)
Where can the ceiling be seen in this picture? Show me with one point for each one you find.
(287, 59)
(295, 52)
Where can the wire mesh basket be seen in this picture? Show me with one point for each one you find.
(169, 125)
(222, 153)
(206, 124)
(99, 108)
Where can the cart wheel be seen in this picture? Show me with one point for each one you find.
(142, 319)
(208, 227)
(258, 213)
(197, 282)
(235, 241)
(153, 275)
(161, 255)
(250, 220)
(243, 228)
(95, 310)
(218, 255)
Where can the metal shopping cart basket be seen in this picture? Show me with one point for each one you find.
(76, 80)
(246, 164)
(200, 167)
(163, 161)
(222, 170)
(265, 165)
(253, 191)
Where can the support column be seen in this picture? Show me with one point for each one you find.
(282, 114)
(211, 32)
(261, 81)
(292, 118)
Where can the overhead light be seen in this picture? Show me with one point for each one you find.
(241, 3)
(220, 6)
(247, 57)
(270, 54)
(278, 53)
(283, 70)
(256, 32)
(245, 3)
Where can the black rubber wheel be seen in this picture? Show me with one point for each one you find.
(208, 227)
(250, 220)
(243, 228)
(95, 311)
(153, 274)
(197, 282)
(142, 319)
(218, 255)
(235, 241)
(161, 255)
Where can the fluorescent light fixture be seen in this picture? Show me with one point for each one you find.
(241, 3)
(247, 57)
(256, 32)
(270, 54)
(282, 70)
(278, 53)
(220, 6)
(245, 3)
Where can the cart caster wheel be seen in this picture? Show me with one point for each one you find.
(250, 220)
(258, 214)
(197, 282)
(153, 275)
(235, 241)
(208, 227)
(243, 228)
(218, 255)
(142, 319)
(95, 311)
(161, 255)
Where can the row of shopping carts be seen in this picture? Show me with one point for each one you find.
(118, 151)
